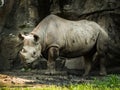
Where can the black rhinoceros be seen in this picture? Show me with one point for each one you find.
(60, 37)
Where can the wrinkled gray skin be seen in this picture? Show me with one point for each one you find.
(60, 37)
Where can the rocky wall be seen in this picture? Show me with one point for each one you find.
(23, 15)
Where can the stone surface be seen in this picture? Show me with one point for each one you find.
(75, 63)
(23, 15)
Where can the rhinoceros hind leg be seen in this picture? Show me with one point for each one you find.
(88, 62)
(102, 66)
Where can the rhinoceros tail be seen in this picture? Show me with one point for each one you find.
(102, 41)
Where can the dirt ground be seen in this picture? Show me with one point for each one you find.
(38, 77)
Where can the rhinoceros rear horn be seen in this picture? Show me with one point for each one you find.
(21, 36)
(36, 38)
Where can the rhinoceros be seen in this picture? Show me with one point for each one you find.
(56, 37)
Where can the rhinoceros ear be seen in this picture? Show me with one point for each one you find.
(36, 38)
(21, 36)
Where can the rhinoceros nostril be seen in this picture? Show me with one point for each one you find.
(33, 53)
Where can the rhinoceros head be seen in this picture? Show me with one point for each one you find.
(31, 49)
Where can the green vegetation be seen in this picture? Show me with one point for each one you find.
(110, 82)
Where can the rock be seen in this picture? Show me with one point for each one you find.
(23, 15)
(75, 63)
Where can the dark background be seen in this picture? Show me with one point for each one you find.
(23, 15)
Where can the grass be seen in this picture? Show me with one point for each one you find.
(110, 82)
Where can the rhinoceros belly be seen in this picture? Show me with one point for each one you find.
(78, 47)
(77, 51)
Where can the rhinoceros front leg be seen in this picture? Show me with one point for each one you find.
(53, 53)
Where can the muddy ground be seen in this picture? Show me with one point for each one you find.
(38, 77)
